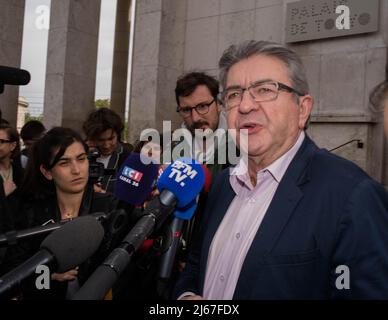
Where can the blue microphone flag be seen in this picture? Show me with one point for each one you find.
(135, 180)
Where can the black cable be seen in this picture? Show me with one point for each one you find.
(360, 144)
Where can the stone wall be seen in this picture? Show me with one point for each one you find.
(341, 71)
(157, 62)
(71, 62)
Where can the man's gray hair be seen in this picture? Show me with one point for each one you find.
(236, 53)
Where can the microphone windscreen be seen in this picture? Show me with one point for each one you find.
(135, 179)
(186, 213)
(184, 178)
(14, 76)
(74, 242)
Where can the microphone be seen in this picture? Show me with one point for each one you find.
(173, 239)
(13, 76)
(66, 248)
(12, 237)
(174, 233)
(179, 185)
(135, 179)
(182, 180)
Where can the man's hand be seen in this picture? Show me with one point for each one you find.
(67, 276)
(9, 187)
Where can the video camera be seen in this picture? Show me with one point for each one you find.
(97, 172)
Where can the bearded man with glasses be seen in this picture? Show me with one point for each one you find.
(294, 221)
(196, 97)
(197, 103)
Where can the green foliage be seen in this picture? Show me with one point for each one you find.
(29, 117)
(126, 132)
(102, 103)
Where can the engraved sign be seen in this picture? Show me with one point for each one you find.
(318, 19)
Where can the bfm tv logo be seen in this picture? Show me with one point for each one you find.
(180, 171)
(131, 176)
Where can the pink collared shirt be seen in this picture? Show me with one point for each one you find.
(241, 222)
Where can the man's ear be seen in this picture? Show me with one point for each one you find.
(305, 106)
(47, 174)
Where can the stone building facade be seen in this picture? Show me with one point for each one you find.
(175, 36)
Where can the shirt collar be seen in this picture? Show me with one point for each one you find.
(239, 177)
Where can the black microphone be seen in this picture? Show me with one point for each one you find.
(12, 237)
(65, 248)
(105, 276)
(13, 76)
(172, 243)
(179, 184)
(174, 233)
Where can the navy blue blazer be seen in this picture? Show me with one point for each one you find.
(326, 212)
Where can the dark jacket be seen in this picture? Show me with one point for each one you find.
(326, 212)
(38, 213)
(10, 218)
(9, 206)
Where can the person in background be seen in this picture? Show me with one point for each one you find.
(196, 95)
(197, 104)
(103, 129)
(11, 177)
(56, 188)
(150, 149)
(31, 132)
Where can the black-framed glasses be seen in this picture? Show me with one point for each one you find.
(3, 141)
(259, 91)
(201, 109)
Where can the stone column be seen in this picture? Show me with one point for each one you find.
(11, 38)
(157, 62)
(120, 57)
(71, 62)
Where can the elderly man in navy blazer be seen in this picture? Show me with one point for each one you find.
(295, 221)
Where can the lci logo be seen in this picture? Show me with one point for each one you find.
(132, 174)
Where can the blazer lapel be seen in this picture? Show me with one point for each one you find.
(279, 212)
(226, 196)
(285, 200)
